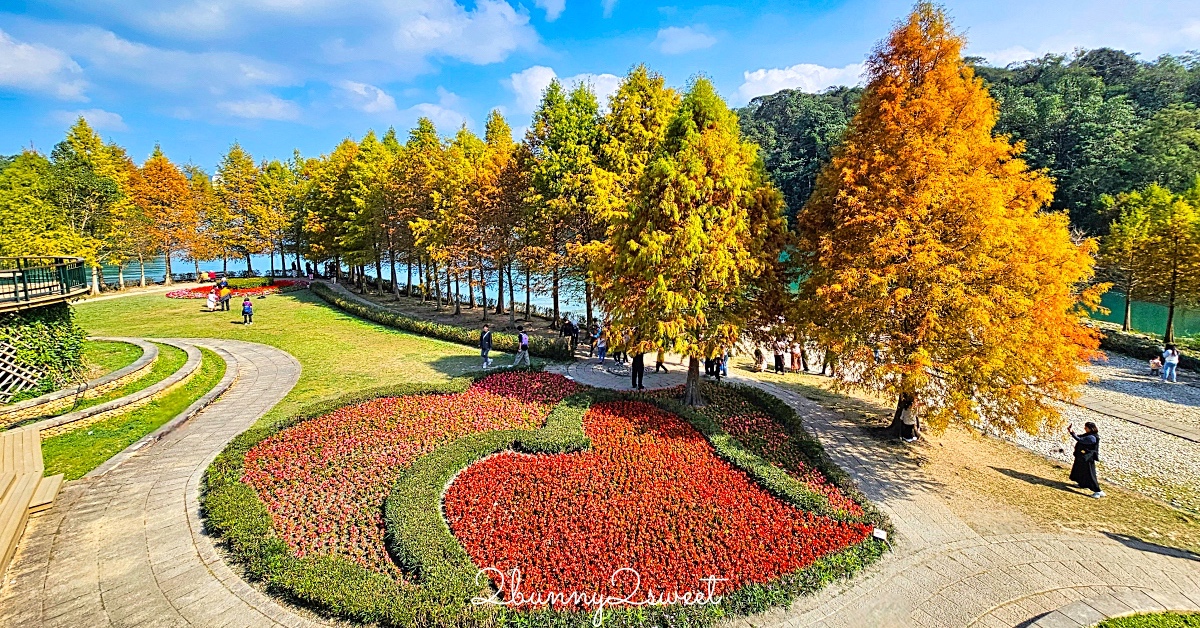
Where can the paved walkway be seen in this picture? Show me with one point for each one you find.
(126, 548)
(944, 574)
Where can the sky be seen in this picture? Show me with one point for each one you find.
(283, 75)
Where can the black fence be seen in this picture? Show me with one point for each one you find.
(26, 280)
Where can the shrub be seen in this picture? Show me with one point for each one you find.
(48, 341)
(248, 282)
(540, 347)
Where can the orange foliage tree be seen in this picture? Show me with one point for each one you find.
(165, 198)
(930, 268)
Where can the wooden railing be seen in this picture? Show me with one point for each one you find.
(27, 282)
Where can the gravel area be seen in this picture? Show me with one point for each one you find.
(1125, 382)
(1151, 462)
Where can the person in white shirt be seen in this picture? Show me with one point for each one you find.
(1170, 359)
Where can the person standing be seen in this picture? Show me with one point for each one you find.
(638, 371)
(522, 347)
(780, 351)
(574, 337)
(247, 312)
(594, 339)
(485, 346)
(724, 367)
(1170, 358)
(659, 361)
(1087, 452)
(225, 296)
(211, 301)
(601, 345)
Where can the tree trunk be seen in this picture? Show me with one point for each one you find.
(457, 296)
(554, 319)
(395, 279)
(337, 269)
(526, 317)
(471, 287)
(437, 289)
(587, 298)
(249, 266)
(903, 403)
(299, 262)
(448, 293)
(408, 271)
(167, 258)
(378, 274)
(1169, 335)
(142, 270)
(1128, 310)
(691, 389)
(225, 265)
(121, 276)
(512, 302)
(500, 290)
(271, 256)
(483, 288)
(195, 262)
(95, 280)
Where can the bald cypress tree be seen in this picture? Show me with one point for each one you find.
(688, 253)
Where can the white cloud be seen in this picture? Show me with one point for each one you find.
(98, 118)
(368, 98)
(807, 77)
(268, 107)
(529, 84)
(39, 68)
(1009, 55)
(608, 6)
(443, 113)
(486, 34)
(676, 40)
(553, 8)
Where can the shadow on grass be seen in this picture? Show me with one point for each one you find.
(1134, 542)
(1038, 480)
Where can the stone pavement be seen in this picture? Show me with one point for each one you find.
(944, 574)
(127, 548)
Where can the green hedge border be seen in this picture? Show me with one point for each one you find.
(422, 544)
(538, 346)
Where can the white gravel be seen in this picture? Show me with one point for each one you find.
(1125, 382)
(1155, 463)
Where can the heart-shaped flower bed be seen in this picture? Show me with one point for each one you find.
(650, 495)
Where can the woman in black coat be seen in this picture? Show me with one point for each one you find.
(1087, 452)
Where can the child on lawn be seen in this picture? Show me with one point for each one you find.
(247, 312)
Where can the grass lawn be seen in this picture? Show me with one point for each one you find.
(101, 357)
(1155, 620)
(77, 452)
(999, 488)
(170, 359)
(338, 352)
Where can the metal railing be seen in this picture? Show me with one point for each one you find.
(26, 280)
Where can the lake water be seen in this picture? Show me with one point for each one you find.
(157, 268)
(1150, 318)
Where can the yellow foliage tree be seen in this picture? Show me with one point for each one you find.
(164, 196)
(931, 269)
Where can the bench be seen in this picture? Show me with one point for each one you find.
(23, 488)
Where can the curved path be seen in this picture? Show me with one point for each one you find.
(942, 573)
(126, 548)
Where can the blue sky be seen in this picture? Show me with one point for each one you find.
(278, 75)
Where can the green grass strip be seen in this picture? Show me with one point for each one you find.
(79, 451)
(170, 359)
(108, 356)
(1154, 620)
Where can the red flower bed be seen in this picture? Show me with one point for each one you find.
(201, 292)
(651, 495)
(324, 480)
(768, 440)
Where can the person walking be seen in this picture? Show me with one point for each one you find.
(574, 337)
(1170, 358)
(485, 346)
(225, 295)
(799, 360)
(594, 339)
(638, 371)
(829, 361)
(601, 345)
(522, 347)
(247, 312)
(659, 361)
(780, 351)
(1087, 452)
(724, 368)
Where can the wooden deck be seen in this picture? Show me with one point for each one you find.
(23, 489)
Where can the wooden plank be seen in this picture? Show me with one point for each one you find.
(7, 480)
(46, 491)
(14, 512)
(7, 448)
